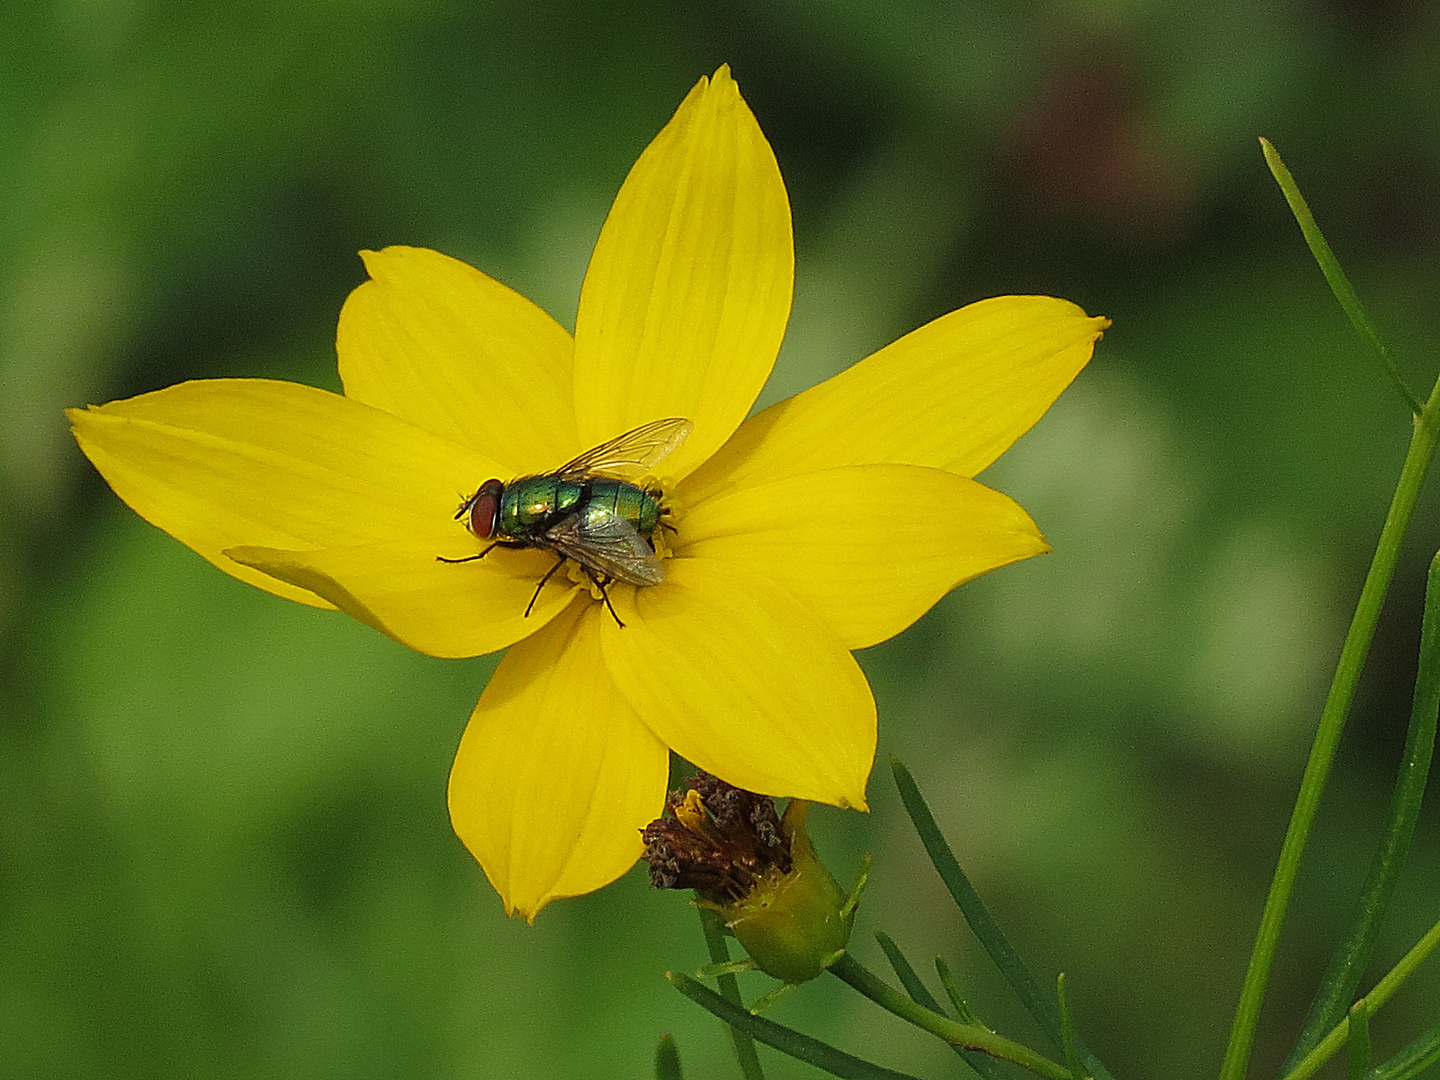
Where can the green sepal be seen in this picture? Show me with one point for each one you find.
(794, 924)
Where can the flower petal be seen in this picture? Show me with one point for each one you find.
(689, 288)
(954, 395)
(869, 548)
(442, 345)
(226, 462)
(401, 589)
(555, 775)
(735, 675)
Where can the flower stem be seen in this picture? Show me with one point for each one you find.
(730, 990)
(970, 1036)
(1383, 992)
(786, 1040)
(1358, 1029)
(984, 927)
(1347, 967)
(1330, 267)
(1425, 431)
(987, 1067)
(1422, 1052)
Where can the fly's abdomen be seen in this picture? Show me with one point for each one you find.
(633, 505)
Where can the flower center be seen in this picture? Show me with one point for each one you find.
(716, 839)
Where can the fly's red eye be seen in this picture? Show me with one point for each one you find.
(485, 509)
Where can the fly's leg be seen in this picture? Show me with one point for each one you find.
(548, 575)
(601, 580)
(469, 558)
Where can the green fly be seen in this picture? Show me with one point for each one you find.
(595, 509)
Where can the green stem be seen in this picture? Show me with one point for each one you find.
(1352, 654)
(1358, 1028)
(1327, 735)
(970, 1036)
(786, 1040)
(1415, 1058)
(730, 990)
(984, 927)
(986, 1066)
(1347, 967)
(1383, 992)
(1334, 275)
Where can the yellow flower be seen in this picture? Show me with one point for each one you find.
(824, 524)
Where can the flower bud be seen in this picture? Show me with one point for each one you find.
(758, 872)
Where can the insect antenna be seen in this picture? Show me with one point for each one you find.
(536, 596)
(471, 558)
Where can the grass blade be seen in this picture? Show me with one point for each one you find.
(982, 925)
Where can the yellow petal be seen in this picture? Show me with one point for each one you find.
(734, 674)
(442, 345)
(227, 462)
(954, 395)
(401, 589)
(555, 775)
(688, 290)
(868, 548)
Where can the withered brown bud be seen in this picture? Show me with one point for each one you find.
(757, 870)
(716, 840)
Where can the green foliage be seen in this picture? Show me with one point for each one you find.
(667, 1059)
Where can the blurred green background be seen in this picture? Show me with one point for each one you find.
(223, 843)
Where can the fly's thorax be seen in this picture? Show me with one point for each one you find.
(532, 504)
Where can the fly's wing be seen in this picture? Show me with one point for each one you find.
(631, 454)
(600, 541)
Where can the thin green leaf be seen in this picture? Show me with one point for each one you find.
(764, 1001)
(786, 1040)
(952, 991)
(667, 1059)
(1347, 966)
(906, 973)
(1359, 1040)
(1334, 275)
(1418, 1056)
(981, 924)
(1384, 990)
(983, 1064)
(857, 890)
(1423, 438)
(970, 1036)
(727, 967)
(1067, 1028)
(720, 954)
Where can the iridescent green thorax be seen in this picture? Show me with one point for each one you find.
(533, 504)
